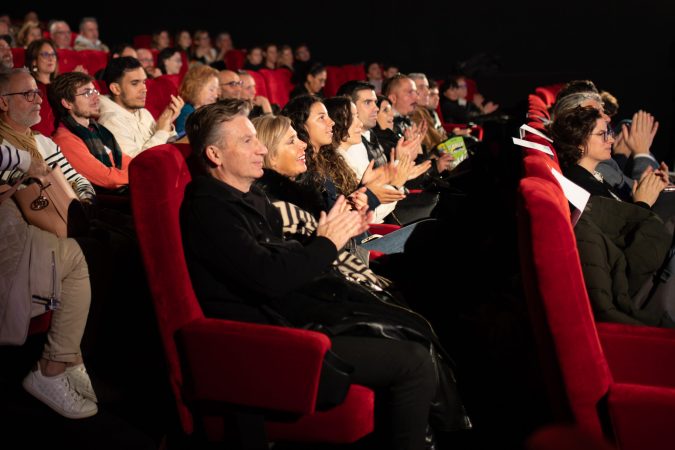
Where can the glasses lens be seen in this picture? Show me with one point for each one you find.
(30, 95)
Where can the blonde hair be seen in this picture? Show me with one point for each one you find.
(26, 28)
(195, 78)
(270, 130)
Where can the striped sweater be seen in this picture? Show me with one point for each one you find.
(52, 155)
(13, 163)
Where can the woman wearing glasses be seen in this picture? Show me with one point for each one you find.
(624, 248)
(43, 62)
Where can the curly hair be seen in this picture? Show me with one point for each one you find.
(32, 53)
(322, 164)
(570, 132)
(340, 110)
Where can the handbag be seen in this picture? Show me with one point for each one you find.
(45, 203)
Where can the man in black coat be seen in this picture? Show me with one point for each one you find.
(242, 268)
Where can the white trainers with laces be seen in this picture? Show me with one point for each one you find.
(80, 381)
(58, 393)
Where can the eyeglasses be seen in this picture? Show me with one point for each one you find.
(606, 134)
(234, 83)
(28, 95)
(47, 55)
(89, 92)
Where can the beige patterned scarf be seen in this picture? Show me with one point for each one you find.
(22, 141)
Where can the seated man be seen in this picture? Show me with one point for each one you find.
(88, 37)
(41, 271)
(6, 57)
(242, 268)
(148, 62)
(124, 113)
(259, 105)
(19, 101)
(90, 147)
(230, 85)
(59, 32)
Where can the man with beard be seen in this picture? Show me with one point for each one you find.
(124, 113)
(91, 148)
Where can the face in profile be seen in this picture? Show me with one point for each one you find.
(319, 126)
(173, 64)
(289, 158)
(316, 82)
(355, 128)
(208, 93)
(598, 146)
(385, 116)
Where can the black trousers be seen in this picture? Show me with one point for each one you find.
(403, 376)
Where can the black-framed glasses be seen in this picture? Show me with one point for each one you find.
(234, 83)
(606, 134)
(28, 95)
(89, 92)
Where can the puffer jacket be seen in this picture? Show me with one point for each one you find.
(621, 247)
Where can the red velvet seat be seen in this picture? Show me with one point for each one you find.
(224, 364)
(160, 90)
(143, 41)
(69, 59)
(93, 60)
(277, 84)
(19, 56)
(610, 379)
(260, 86)
(335, 76)
(354, 72)
(235, 59)
(548, 93)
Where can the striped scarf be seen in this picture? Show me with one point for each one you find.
(97, 138)
(299, 224)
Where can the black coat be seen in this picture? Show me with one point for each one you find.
(236, 255)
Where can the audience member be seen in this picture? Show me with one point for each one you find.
(6, 57)
(88, 37)
(389, 71)
(230, 85)
(30, 31)
(254, 58)
(270, 56)
(313, 82)
(184, 41)
(216, 219)
(169, 61)
(59, 379)
(59, 32)
(374, 75)
(124, 113)
(148, 62)
(202, 50)
(286, 60)
(223, 45)
(91, 148)
(258, 104)
(198, 88)
(160, 40)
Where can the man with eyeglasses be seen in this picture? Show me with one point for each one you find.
(6, 57)
(59, 32)
(91, 148)
(259, 105)
(88, 37)
(20, 104)
(230, 85)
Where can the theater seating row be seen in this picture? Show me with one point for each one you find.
(613, 381)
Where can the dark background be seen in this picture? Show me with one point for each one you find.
(625, 47)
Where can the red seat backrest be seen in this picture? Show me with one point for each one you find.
(143, 41)
(277, 85)
(260, 85)
(19, 55)
(560, 311)
(69, 59)
(46, 124)
(235, 59)
(335, 76)
(160, 90)
(354, 72)
(93, 60)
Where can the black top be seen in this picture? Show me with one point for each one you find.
(453, 112)
(582, 177)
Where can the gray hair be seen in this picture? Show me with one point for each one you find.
(55, 22)
(417, 76)
(6, 77)
(572, 101)
(87, 19)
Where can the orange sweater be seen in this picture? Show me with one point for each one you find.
(77, 154)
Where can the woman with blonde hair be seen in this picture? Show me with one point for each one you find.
(199, 87)
(30, 31)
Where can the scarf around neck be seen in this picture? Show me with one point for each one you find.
(22, 141)
(96, 137)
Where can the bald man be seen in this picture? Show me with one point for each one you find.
(230, 85)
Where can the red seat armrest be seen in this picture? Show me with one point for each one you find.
(260, 366)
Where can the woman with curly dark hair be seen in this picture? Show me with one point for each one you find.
(625, 249)
(327, 172)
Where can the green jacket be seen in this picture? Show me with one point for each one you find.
(621, 246)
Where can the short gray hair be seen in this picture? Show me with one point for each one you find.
(571, 101)
(6, 77)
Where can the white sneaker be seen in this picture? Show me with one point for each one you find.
(57, 393)
(80, 381)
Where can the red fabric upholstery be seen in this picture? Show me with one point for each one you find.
(229, 363)
(629, 368)
(46, 124)
(354, 72)
(69, 59)
(40, 324)
(278, 85)
(19, 55)
(548, 93)
(335, 76)
(540, 140)
(540, 166)
(93, 60)
(160, 90)
(260, 86)
(143, 41)
(383, 228)
(235, 59)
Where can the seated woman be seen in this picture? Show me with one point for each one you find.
(169, 61)
(242, 268)
(625, 249)
(43, 62)
(313, 82)
(199, 87)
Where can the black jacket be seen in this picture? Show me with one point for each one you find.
(236, 255)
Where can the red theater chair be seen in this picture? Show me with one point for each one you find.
(159, 94)
(235, 59)
(93, 60)
(260, 86)
(19, 56)
(277, 85)
(335, 76)
(612, 380)
(217, 367)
